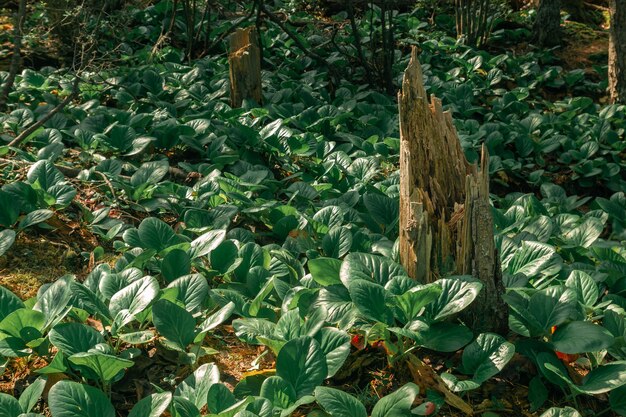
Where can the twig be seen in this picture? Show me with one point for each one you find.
(36, 125)
(15, 59)
(108, 183)
(293, 36)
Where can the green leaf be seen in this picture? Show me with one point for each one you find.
(73, 338)
(586, 233)
(585, 287)
(445, 337)
(325, 271)
(530, 259)
(23, 324)
(414, 300)
(9, 209)
(280, 392)
(581, 337)
(7, 237)
(397, 404)
(191, 290)
(338, 403)
(561, 412)
(134, 298)
(45, 173)
(552, 306)
(71, 399)
(174, 323)
(369, 267)
(302, 363)
(604, 378)
(182, 407)
(537, 393)
(617, 399)
(456, 294)
(9, 406)
(175, 264)
(105, 367)
(35, 217)
(384, 210)
(156, 234)
(31, 395)
(220, 398)
(215, 319)
(371, 301)
(53, 303)
(195, 387)
(9, 302)
(248, 329)
(206, 243)
(152, 406)
(486, 356)
(337, 242)
(335, 344)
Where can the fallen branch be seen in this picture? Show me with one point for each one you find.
(36, 125)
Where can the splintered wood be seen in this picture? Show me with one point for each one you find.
(244, 61)
(446, 225)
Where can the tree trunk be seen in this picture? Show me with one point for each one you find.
(245, 67)
(446, 224)
(617, 52)
(547, 26)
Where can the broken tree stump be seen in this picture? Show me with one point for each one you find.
(446, 224)
(244, 60)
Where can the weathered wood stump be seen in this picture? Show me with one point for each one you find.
(446, 224)
(244, 60)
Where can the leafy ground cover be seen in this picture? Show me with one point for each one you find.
(166, 253)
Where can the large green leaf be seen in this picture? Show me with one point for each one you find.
(156, 234)
(149, 173)
(9, 210)
(414, 300)
(9, 406)
(486, 356)
(301, 362)
(174, 323)
(153, 405)
(206, 243)
(176, 263)
(445, 337)
(9, 302)
(338, 403)
(53, 303)
(104, 367)
(581, 337)
(279, 391)
(195, 387)
(335, 344)
(552, 306)
(397, 404)
(586, 288)
(561, 412)
(325, 271)
(73, 338)
(456, 294)
(617, 399)
(220, 398)
(586, 233)
(23, 324)
(369, 267)
(384, 210)
(604, 378)
(31, 395)
(136, 297)
(71, 399)
(371, 300)
(191, 290)
(45, 174)
(337, 242)
(530, 259)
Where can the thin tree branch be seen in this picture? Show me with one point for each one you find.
(36, 125)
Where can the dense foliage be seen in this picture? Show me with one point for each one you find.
(281, 221)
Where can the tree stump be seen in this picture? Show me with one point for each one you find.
(617, 52)
(446, 224)
(244, 60)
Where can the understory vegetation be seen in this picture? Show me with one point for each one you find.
(222, 261)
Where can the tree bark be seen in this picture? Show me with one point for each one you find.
(547, 26)
(245, 67)
(617, 52)
(446, 225)
(15, 59)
